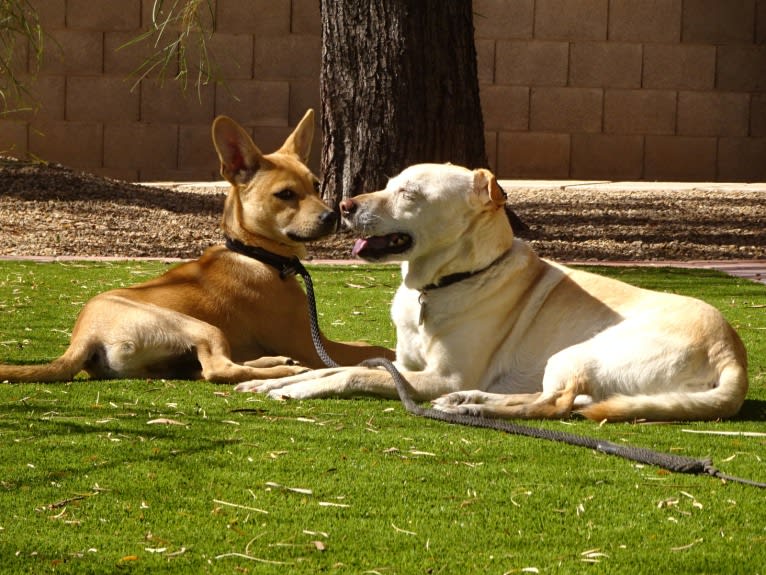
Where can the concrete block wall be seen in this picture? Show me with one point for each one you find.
(586, 89)
(90, 118)
(624, 89)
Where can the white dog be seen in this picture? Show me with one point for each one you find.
(486, 327)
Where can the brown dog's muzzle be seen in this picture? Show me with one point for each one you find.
(329, 221)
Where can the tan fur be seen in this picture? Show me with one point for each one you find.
(224, 317)
(524, 337)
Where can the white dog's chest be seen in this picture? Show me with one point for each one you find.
(410, 341)
(476, 328)
(446, 331)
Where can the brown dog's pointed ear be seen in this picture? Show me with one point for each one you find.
(240, 157)
(486, 186)
(299, 142)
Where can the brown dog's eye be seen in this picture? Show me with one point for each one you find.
(285, 195)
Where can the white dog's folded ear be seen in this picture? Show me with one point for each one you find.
(486, 187)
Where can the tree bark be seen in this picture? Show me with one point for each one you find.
(399, 86)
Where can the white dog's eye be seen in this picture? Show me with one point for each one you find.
(407, 195)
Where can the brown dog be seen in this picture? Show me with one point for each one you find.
(225, 317)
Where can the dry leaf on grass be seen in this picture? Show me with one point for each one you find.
(165, 421)
(238, 506)
(300, 490)
(689, 546)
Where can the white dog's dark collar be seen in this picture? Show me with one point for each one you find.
(450, 279)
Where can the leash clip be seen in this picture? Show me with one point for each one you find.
(290, 269)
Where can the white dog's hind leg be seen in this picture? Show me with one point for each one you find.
(452, 402)
(564, 379)
(514, 406)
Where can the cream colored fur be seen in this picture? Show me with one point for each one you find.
(524, 337)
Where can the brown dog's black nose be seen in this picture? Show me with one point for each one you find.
(328, 218)
(347, 207)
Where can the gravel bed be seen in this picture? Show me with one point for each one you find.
(49, 210)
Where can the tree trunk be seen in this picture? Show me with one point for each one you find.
(399, 86)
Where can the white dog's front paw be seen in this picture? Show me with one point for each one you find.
(460, 403)
(259, 385)
(455, 399)
(310, 389)
(248, 386)
(280, 394)
(310, 385)
(474, 409)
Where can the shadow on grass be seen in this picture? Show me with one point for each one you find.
(78, 452)
(752, 410)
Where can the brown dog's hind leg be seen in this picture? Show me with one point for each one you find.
(214, 357)
(151, 341)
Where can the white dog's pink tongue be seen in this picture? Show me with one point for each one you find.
(359, 245)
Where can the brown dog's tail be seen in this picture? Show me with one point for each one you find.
(62, 369)
(721, 401)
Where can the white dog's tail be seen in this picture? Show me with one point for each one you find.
(721, 401)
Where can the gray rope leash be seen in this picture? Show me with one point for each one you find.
(671, 462)
(314, 320)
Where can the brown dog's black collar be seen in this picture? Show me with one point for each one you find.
(286, 266)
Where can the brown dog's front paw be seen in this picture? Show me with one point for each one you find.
(284, 360)
(272, 361)
(296, 369)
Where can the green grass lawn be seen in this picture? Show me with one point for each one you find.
(90, 481)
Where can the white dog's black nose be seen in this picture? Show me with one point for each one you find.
(347, 207)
